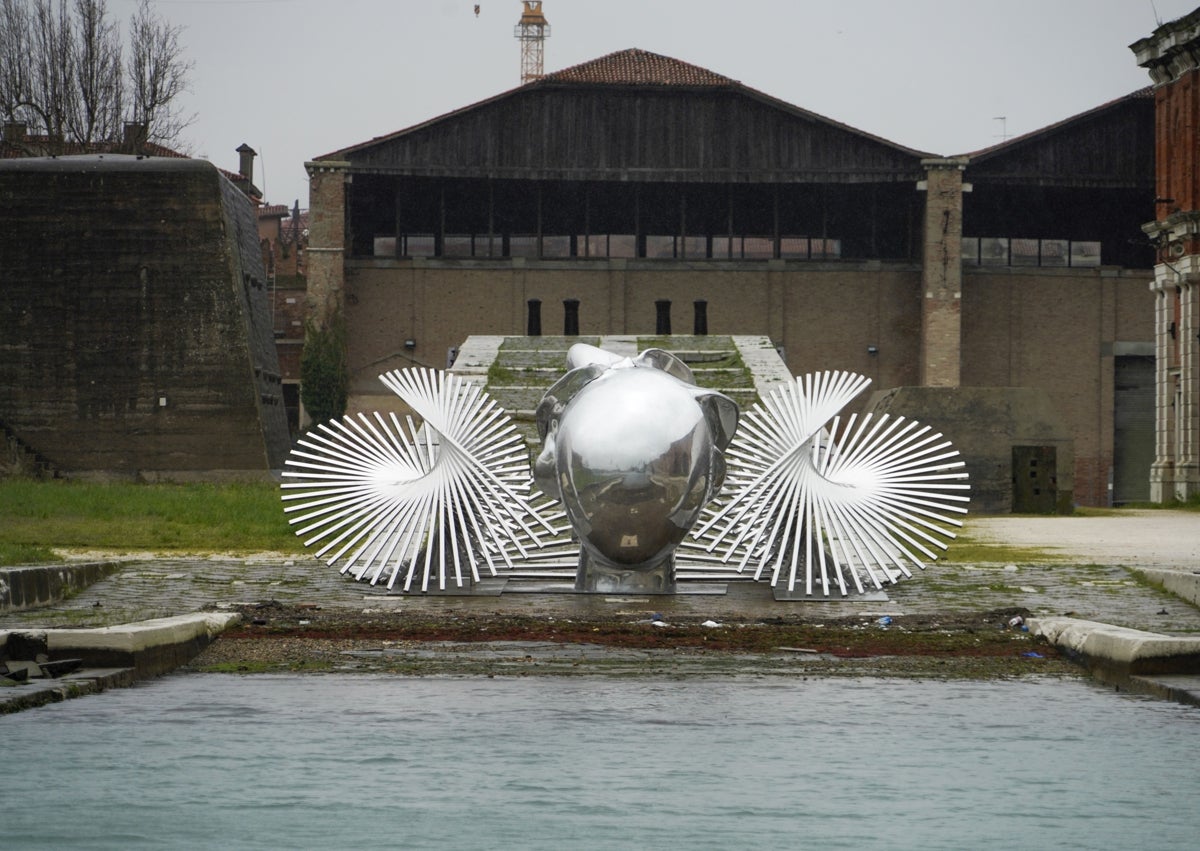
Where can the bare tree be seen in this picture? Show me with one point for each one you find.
(158, 75)
(65, 71)
(15, 48)
(47, 95)
(98, 91)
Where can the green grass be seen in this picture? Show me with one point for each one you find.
(37, 516)
(967, 549)
(25, 554)
(1192, 503)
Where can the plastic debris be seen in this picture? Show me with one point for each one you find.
(884, 621)
(1032, 654)
(1016, 621)
(710, 624)
(657, 623)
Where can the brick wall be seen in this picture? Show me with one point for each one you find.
(1046, 328)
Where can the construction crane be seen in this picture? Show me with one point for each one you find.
(532, 31)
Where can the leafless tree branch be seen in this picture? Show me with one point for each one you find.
(66, 71)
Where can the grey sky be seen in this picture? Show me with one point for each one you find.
(299, 78)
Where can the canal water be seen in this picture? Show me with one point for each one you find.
(341, 761)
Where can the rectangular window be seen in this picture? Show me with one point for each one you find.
(418, 245)
(660, 247)
(622, 245)
(1085, 254)
(1025, 252)
(826, 249)
(993, 251)
(1055, 252)
(758, 247)
(556, 246)
(793, 247)
(523, 245)
(692, 247)
(456, 245)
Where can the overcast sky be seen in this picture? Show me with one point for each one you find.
(299, 78)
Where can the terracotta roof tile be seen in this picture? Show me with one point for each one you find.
(635, 67)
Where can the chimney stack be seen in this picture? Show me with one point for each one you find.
(14, 132)
(246, 162)
(136, 135)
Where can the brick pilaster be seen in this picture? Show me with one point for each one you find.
(326, 239)
(941, 272)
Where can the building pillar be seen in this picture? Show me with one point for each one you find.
(1171, 55)
(941, 272)
(1187, 461)
(1162, 471)
(326, 239)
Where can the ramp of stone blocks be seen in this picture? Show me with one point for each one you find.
(517, 371)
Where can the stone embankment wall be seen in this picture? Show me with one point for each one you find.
(42, 585)
(137, 339)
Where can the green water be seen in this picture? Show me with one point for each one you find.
(216, 761)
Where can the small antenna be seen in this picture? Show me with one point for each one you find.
(1154, 9)
(1003, 119)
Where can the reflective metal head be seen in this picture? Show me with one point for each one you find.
(633, 450)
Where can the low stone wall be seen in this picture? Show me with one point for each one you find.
(150, 648)
(42, 585)
(1181, 583)
(1119, 649)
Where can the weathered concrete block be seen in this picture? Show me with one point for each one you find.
(138, 337)
(985, 424)
(1118, 648)
(32, 586)
(1182, 583)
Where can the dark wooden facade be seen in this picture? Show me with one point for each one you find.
(562, 168)
(575, 167)
(597, 133)
(1087, 178)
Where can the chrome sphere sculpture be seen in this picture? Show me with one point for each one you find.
(634, 451)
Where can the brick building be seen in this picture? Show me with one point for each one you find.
(1171, 54)
(283, 236)
(638, 194)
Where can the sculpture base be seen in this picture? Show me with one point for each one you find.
(492, 586)
(782, 594)
(688, 589)
(596, 578)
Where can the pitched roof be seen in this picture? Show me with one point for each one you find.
(630, 67)
(1146, 93)
(634, 67)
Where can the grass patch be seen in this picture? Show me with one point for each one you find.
(37, 516)
(1192, 503)
(25, 553)
(968, 549)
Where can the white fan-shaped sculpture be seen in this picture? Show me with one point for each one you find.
(385, 498)
(834, 502)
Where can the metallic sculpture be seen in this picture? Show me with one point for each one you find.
(417, 502)
(809, 494)
(633, 449)
(636, 454)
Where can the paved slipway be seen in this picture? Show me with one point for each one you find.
(1140, 538)
(1098, 594)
